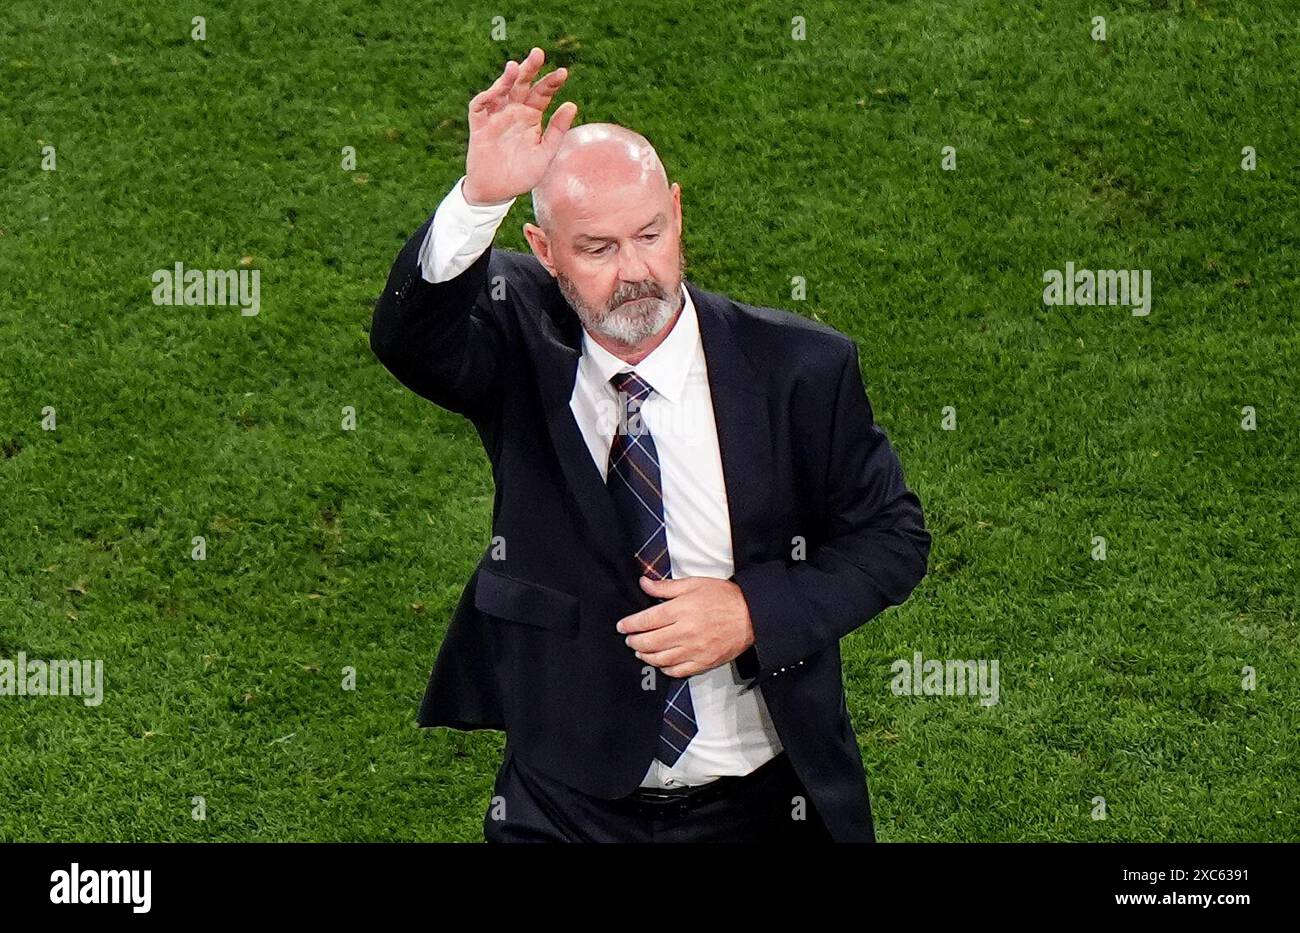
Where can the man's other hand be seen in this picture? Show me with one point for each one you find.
(702, 624)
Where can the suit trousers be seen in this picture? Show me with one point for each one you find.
(769, 804)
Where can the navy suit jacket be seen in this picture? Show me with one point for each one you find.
(532, 648)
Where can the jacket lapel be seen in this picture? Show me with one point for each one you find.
(744, 425)
(557, 368)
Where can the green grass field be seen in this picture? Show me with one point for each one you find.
(818, 158)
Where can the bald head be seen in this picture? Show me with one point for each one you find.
(594, 160)
(609, 229)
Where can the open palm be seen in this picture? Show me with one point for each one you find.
(508, 152)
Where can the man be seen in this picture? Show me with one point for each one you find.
(693, 502)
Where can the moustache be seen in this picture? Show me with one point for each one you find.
(622, 297)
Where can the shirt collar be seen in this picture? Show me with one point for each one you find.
(668, 364)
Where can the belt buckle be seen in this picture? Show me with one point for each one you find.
(657, 795)
(660, 803)
(663, 807)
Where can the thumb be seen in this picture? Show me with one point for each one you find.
(666, 588)
(561, 120)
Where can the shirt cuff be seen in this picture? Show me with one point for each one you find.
(494, 208)
(459, 233)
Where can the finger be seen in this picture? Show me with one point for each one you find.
(687, 669)
(497, 88)
(660, 639)
(666, 657)
(561, 120)
(647, 620)
(544, 90)
(507, 77)
(528, 69)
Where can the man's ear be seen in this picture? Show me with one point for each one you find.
(677, 206)
(540, 245)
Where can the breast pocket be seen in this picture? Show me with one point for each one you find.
(523, 601)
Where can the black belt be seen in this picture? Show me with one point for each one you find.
(662, 802)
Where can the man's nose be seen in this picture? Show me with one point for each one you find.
(632, 266)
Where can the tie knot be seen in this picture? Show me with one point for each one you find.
(632, 384)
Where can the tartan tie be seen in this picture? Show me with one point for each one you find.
(633, 480)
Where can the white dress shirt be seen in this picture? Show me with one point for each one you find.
(736, 734)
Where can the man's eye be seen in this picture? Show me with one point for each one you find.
(651, 237)
(598, 251)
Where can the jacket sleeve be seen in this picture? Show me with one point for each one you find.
(875, 553)
(441, 340)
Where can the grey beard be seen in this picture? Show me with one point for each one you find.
(631, 325)
(628, 324)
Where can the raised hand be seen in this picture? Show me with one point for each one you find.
(508, 153)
